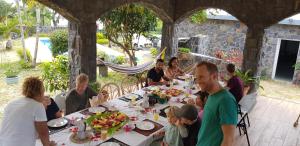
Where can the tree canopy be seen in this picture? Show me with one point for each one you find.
(5, 9)
(121, 24)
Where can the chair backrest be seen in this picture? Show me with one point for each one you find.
(112, 89)
(60, 100)
(248, 102)
(129, 84)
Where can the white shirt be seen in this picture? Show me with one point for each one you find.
(18, 127)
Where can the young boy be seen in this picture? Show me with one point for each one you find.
(189, 117)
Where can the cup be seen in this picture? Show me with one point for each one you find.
(155, 115)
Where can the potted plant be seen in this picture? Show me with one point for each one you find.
(248, 80)
(297, 78)
(11, 76)
(184, 53)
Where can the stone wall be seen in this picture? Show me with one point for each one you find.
(227, 35)
(216, 35)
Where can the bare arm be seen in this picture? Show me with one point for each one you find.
(228, 132)
(43, 132)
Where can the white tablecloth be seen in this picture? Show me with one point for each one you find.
(131, 138)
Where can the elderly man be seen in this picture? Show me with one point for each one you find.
(220, 111)
(78, 98)
(156, 75)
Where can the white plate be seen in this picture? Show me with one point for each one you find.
(110, 144)
(96, 109)
(144, 125)
(183, 77)
(55, 123)
(130, 96)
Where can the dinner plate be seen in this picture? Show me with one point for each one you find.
(183, 77)
(130, 96)
(110, 144)
(96, 109)
(145, 125)
(56, 123)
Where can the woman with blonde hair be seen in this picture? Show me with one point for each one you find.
(24, 117)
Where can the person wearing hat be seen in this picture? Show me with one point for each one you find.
(220, 110)
(188, 114)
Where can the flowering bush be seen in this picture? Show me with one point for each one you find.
(234, 56)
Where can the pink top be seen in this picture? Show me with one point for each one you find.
(200, 114)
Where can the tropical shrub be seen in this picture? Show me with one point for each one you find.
(56, 73)
(21, 54)
(119, 60)
(297, 66)
(184, 50)
(102, 41)
(24, 64)
(59, 42)
(153, 52)
(102, 54)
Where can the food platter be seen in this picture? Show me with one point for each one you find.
(110, 121)
(173, 92)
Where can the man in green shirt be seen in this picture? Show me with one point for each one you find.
(220, 111)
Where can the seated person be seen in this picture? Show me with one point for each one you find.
(173, 70)
(189, 117)
(156, 75)
(52, 110)
(200, 102)
(174, 132)
(78, 98)
(235, 84)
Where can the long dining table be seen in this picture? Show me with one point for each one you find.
(134, 137)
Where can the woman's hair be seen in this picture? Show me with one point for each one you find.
(202, 95)
(230, 68)
(171, 60)
(173, 111)
(33, 87)
(81, 78)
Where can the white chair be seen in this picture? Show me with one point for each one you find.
(60, 100)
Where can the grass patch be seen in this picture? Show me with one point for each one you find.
(279, 89)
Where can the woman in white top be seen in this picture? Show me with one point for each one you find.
(25, 119)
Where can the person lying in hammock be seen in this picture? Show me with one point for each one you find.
(156, 75)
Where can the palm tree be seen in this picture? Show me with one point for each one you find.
(22, 30)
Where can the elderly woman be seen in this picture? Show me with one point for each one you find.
(78, 98)
(173, 70)
(25, 117)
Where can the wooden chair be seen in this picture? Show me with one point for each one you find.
(112, 89)
(129, 84)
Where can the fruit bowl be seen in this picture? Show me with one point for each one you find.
(109, 121)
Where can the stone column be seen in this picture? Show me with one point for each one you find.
(252, 51)
(169, 39)
(82, 50)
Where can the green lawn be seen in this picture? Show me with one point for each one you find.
(280, 89)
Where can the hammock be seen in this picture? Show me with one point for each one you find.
(135, 69)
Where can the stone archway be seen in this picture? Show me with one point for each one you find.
(256, 14)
